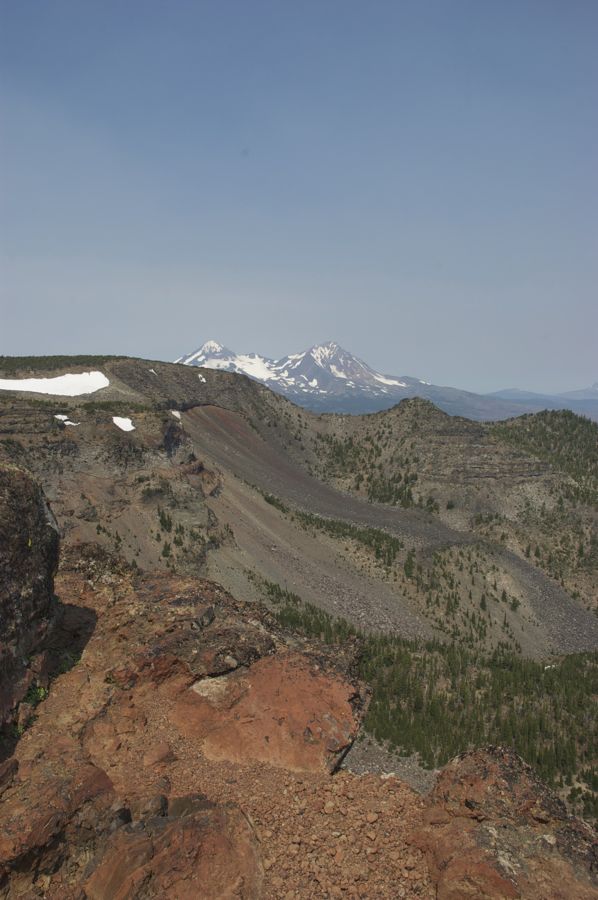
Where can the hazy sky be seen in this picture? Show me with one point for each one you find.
(415, 180)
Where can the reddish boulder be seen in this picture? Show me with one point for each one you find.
(492, 829)
(37, 818)
(197, 850)
(284, 710)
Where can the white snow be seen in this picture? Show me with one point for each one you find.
(176, 413)
(153, 371)
(205, 350)
(297, 359)
(337, 372)
(66, 420)
(391, 381)
(255, 366)
(201, 378)
(212, 347)
(319, 355)
(278, 374)
(123, 423)
(62, 385)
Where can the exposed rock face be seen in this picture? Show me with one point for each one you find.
(493, 830)
(91, 797)
(81, 837)
(28, 560)
(192, 849)
(101, 797)
(236, 687)
(283, 710)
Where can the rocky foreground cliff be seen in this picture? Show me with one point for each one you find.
(28, 612)
(188, 747)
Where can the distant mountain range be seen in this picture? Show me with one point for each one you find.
(327, 378)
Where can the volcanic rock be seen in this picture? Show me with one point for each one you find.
(282, 710)
(197, 850)
(28, 560)
(492, 829)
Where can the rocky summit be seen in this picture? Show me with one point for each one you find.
(224, 670)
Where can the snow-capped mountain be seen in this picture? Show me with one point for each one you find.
(327, 378)
(312, 378)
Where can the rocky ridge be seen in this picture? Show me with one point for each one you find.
(191, 751)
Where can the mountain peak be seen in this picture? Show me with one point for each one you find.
(326, 353)
(211, 347)
(328, 346)
(323, 371)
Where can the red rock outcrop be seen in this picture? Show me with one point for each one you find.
(194, 848)
(493, 830)
(79, 808)
(283, 710)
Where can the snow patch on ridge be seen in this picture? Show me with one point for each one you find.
(65, 420)
(123, 423)
(391, 381)
(62, 386)
(255, 366)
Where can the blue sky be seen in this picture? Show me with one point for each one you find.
(416, 180)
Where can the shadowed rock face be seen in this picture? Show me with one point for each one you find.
(88, 843)
(492, 829)
(28, 561)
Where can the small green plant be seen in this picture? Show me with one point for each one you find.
(35, 695)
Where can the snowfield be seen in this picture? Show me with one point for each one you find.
(61, 386)
(123, 423)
